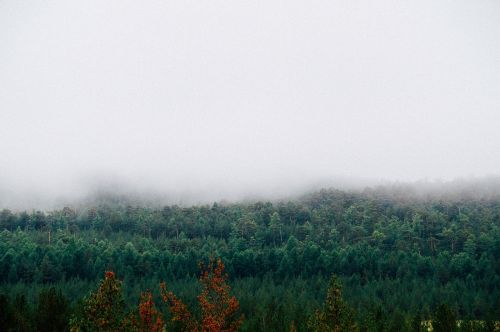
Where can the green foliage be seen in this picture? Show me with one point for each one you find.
(396, 253)
(444, 319)
(52, 311)
(104, 309)
(336, 315)
(6, 314)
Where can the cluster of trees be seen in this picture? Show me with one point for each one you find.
(398, 257)
(104, 309)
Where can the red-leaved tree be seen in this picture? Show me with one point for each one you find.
(219, 309)
(150, 319)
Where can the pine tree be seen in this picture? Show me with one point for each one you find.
(218, 308)
(179, 312)
(444, 320)
(150, 319)
(104, 310)
(52, 311)
(336, 315)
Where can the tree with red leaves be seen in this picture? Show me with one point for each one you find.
(150, 319)
(218, 307)
(178, 310)
(219, 310)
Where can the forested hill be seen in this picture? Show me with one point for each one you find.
(396, 255)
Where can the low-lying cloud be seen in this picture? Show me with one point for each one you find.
(229, 99)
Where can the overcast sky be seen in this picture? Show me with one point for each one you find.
(246, 94)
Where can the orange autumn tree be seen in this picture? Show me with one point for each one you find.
(150, 319)
(219, 310)
(178, 310)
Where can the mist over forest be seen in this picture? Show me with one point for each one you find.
(267, 165)
(121, 193)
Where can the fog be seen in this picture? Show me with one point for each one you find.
(213, 100)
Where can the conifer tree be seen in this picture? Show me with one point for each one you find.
(104, 310)
(150, 319)
(444, 319)
(52, 312)
(336, 315)
(218, 308)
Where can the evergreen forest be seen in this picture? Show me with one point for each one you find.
(332, 260)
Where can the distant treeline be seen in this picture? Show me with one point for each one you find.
(397, 256)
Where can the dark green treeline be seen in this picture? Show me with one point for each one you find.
(398, 258)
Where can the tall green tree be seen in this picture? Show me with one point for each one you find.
(444, 319)
(52, 311)
(336, 315)
(104, 309)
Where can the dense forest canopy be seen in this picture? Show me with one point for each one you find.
(400, 256)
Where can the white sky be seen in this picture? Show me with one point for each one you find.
(246, 95)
